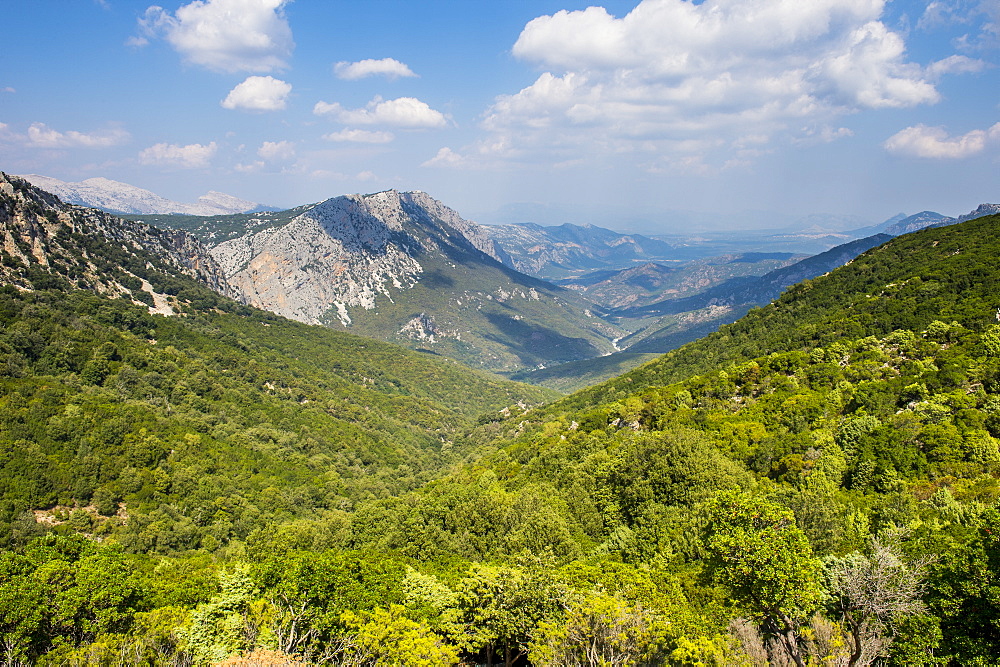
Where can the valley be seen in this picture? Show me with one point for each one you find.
(201, 461)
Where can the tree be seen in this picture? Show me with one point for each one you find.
(757, 552)
(388, 637)
(498, 607)
(965, 594)
(21, 610)
(598, 630)
(872, 593)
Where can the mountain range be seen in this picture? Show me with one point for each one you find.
(404, 268)
(118, 197)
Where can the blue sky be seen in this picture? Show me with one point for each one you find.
(611, 112)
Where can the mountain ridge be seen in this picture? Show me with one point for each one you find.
(123, 198)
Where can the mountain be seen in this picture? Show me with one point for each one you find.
(904, 224)
(401, 267)
(980, 211)
(650, 282)
(918, 221)
(122, 198)
(559, 250)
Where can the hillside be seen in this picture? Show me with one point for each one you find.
(109, 404)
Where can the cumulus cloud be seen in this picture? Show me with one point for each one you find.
(360, 136)
(387, 67)
(276, 150)
(258, 93)
(192, 156)
(223, 35)
(42, 136)
(935, 142)
(405, 112)
(446, 158)
(672, 70)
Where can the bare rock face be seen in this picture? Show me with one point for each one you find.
(342, 253)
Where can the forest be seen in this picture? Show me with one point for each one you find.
(815, 484)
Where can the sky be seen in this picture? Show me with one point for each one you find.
(616, 113)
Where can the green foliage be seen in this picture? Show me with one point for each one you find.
(756, 551)
(498, 608)
(600, 629)
(387, 636)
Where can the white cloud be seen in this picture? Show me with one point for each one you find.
(276, 150)
(446, 158)
(249, 168)
(360, 136)
(7, 89)
(407, 112)
(192, 156)
(979, 18)
(954, 65)
(387, 67)
(672, 70)
(43, 136)
(258, 93)
(224, 35)
(934, 142)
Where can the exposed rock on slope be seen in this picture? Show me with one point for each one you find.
(44, 241)
(341, 254)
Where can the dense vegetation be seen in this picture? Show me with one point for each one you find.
(816, 484)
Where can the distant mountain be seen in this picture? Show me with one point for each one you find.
(651, 282)
(904, 224)
(117, 197)
(695, 316)
(981, 211)
(401, 267)
(561, 250)
(919, 221)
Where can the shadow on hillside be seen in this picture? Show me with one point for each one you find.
(534, 344)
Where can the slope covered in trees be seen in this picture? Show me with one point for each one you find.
(947, 274)
(816, 484)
